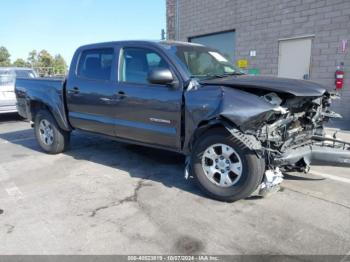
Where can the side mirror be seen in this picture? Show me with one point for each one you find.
(160, 76)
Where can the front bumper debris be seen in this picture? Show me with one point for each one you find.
(314, 153)
(271, 182)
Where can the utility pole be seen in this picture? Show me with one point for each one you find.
(163, 34)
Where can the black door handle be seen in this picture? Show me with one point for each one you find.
(74, 91)
(121, 94)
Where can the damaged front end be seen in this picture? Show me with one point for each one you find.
(294, 136)
(281, 120)
(291, 136)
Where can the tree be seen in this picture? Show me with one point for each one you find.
(4, 57)
(21, 63)
(45, 59)
(33, 58)
(46, 64)
(60, 66)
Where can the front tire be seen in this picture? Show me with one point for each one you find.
(51, 138)
(224, 167)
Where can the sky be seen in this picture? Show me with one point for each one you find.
(60, 26)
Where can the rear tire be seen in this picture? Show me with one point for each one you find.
(229, 175)
(51, 138)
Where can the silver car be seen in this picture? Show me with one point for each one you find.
(8, 77)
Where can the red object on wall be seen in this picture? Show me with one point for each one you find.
(339, 79)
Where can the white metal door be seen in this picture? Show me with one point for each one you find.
(294, 58)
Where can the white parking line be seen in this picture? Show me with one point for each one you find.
(13, 191)
(10, 187)
(332, 177)
(3, 174)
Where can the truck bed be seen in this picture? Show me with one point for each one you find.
(50, 91)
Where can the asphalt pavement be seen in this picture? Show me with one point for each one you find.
(105, 197)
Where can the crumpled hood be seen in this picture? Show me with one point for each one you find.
(245, 110)
(273, 84)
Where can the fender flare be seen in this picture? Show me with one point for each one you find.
(59, 116)
(249, 141)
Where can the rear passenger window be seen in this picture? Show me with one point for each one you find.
(96, 64)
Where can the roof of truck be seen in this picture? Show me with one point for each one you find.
(145, 42)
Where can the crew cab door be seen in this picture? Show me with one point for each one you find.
(147, 112)
(91, 91)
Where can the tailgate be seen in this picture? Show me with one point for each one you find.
(7, 87)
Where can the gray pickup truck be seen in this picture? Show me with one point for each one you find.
(239, 132)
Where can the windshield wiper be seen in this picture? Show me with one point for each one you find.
(234, 74)
(210, 76)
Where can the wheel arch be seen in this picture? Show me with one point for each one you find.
(206, 125)
(231, 128)
(36, 105)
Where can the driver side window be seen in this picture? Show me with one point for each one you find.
(137, 63)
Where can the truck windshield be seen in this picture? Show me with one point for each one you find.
(204, 63)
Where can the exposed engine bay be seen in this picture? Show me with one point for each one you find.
(296, 129)
(281, 119)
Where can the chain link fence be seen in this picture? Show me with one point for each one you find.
(49, 71)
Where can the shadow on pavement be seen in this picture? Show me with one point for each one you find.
(140, 162)
(299, 177)
(10, 117)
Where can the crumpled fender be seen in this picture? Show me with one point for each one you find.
(210, 105)
(245, 110)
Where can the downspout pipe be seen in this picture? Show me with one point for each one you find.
(177, 23)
